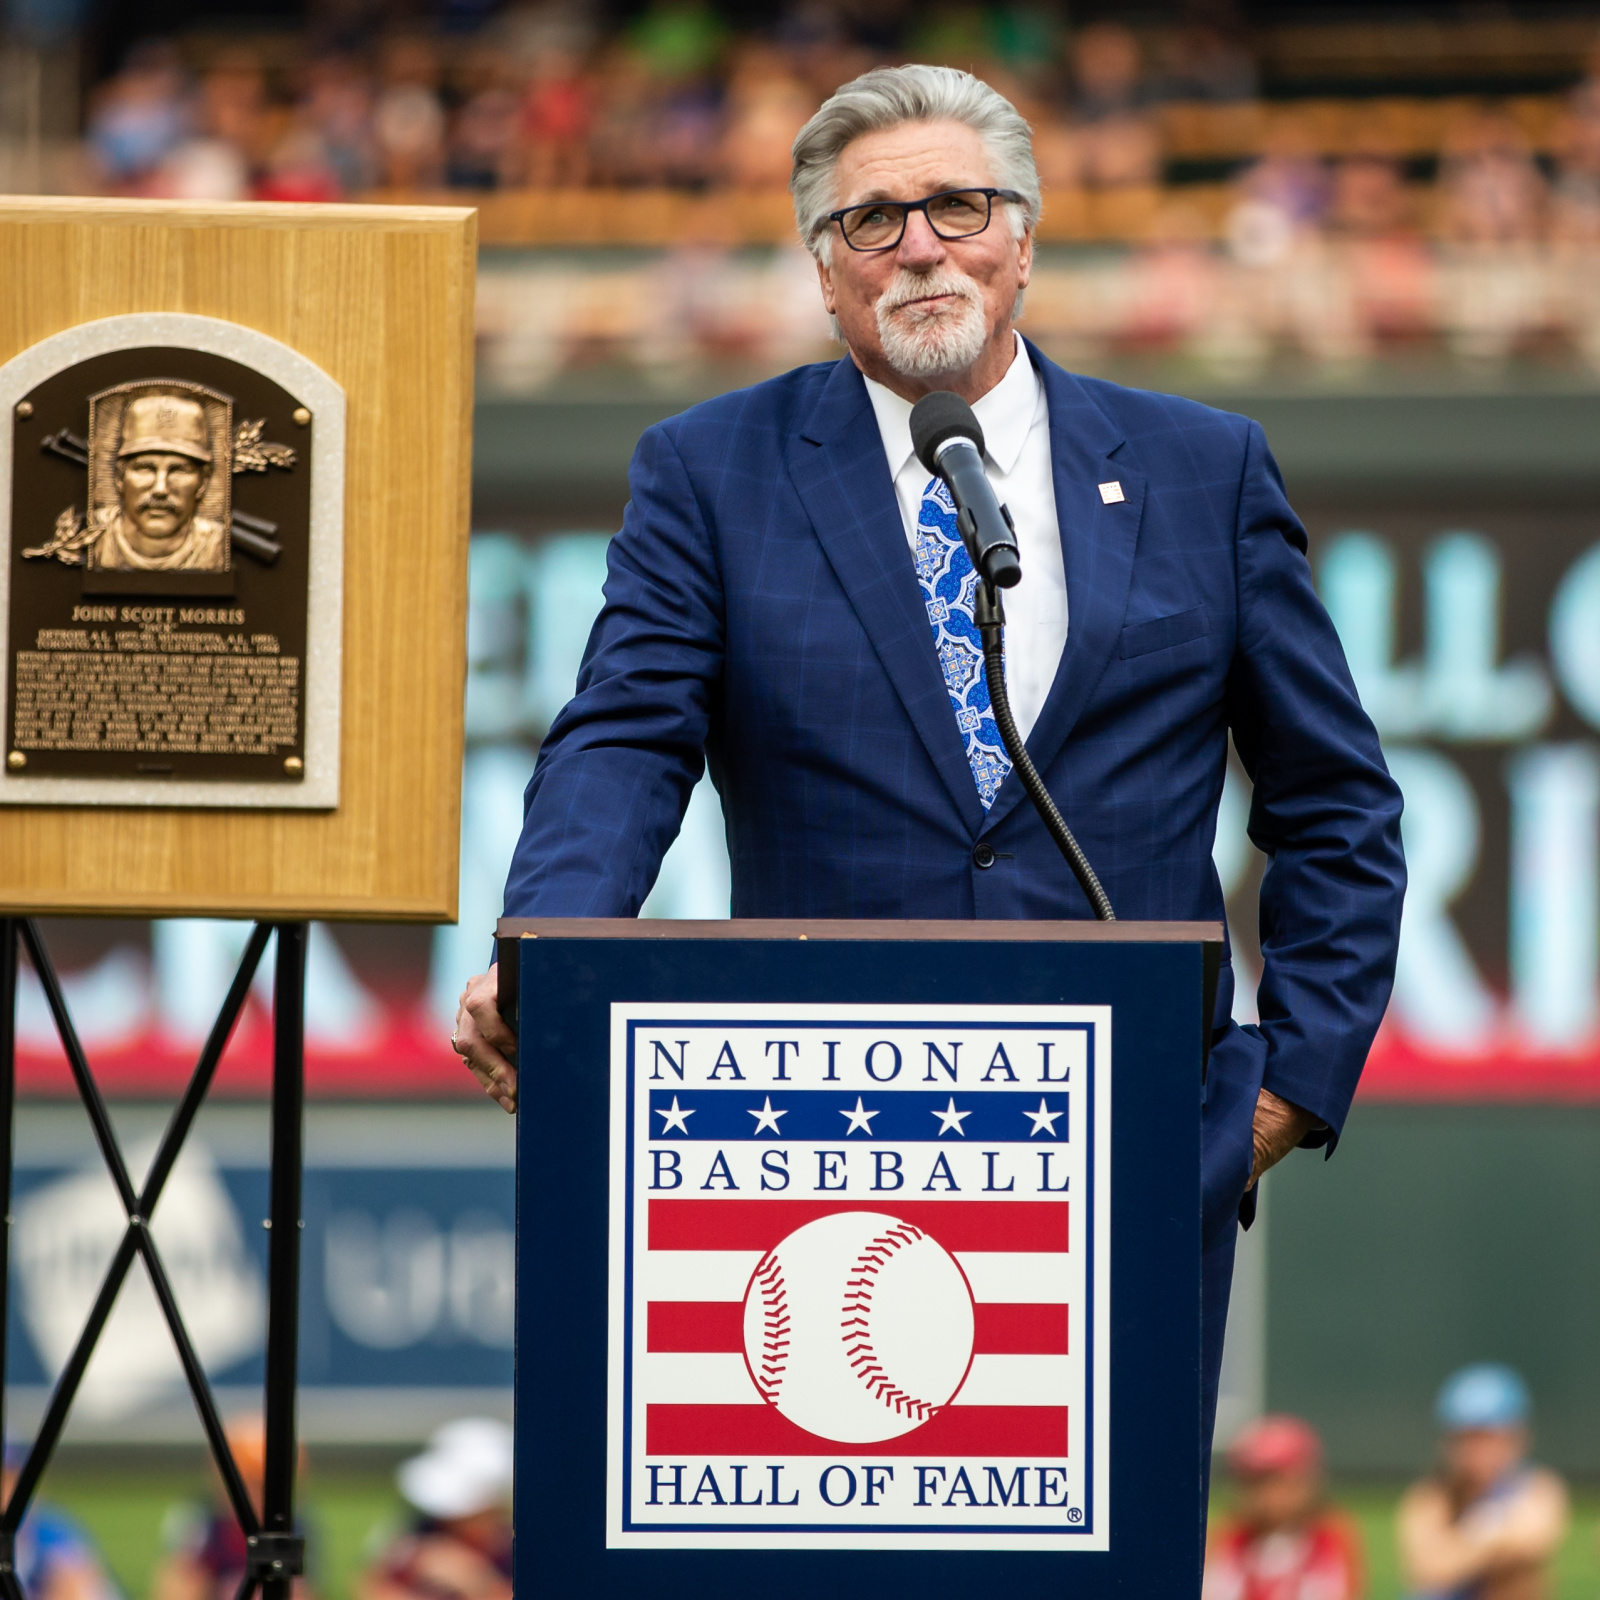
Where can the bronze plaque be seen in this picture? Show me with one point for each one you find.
(159, 570)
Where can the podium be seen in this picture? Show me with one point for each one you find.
(876, 1244)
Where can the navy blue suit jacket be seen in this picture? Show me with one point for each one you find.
(762, 614)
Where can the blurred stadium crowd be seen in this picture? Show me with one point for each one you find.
(1208, 197)
(548, 99)
(450, 1539)
(1486, 1523)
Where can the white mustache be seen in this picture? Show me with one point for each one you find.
(909, 286)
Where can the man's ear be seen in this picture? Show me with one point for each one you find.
(825, 278)
(1024, 259)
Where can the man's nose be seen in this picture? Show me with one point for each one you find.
(920, 247)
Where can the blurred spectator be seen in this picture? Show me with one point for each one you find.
(1171, 286)
(54, 1559)
(200, 169)
(624, 101)
(1585, 99)
(557, 115)
(1209, 58)
(139, 116)
(1575, 200)
(1282, 198)
(408, 120)
(767, 107)
(1281, 1541)
(1487, 1524)
(337, 107)
(1493, 192)
(459, 1545)
(1119, 146)
(1369, 199)
(233, 132)
(822, 50)
(1107, 73)
(299, 169)
(686, 134)
(1387, 272)
(951, 36)
(205, 1546)
(485, 136)
(679, 39)
(234, 107)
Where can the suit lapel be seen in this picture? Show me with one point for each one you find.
(838, 468)
(1097, 546)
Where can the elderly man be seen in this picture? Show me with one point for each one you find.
(163, 465)
(788, 599)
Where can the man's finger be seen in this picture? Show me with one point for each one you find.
(479, 1048)
(481, 1000)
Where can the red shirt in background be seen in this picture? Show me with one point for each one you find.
(1321, 1561)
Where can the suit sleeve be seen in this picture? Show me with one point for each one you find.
(1325, 813)
(618, 766)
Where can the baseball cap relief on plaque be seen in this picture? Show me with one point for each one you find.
(172, 573)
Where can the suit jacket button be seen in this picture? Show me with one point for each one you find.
(983, 856)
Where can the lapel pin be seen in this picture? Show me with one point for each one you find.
(1111, 493)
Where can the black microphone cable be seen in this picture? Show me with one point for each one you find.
(991, 620)
(948, 440)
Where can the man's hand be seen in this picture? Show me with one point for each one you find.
(1279, 1127)
(481, 1036)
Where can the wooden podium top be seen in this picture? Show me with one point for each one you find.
(1065, 932)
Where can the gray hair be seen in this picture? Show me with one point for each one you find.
(888, 96)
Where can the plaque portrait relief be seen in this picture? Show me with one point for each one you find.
(172, 579)
(159, 464)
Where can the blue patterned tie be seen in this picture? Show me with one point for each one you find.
(949, 586)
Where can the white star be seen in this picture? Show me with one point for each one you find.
(1044, 1119)
(860, 1119)
(950, 1119)
(675, 1117)
(766, 1117)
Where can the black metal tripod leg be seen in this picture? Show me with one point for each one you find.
(283, 1252)
(8, 1102)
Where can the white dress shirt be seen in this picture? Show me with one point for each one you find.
(1015, 418)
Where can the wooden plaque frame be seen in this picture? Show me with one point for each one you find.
(380, 298)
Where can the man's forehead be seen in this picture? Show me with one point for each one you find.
(911, 160)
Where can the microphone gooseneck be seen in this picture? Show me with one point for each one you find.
(949, 443)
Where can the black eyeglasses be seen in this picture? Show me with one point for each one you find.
(952, 214)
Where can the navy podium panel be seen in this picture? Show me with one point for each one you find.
(860, 1253)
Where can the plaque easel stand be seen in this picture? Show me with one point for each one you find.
(306, 316)
(276, 1552)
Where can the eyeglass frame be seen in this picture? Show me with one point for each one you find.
(1011, 196)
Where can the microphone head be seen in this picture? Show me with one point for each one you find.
(938, 418)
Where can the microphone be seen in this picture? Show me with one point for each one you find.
(949, 443)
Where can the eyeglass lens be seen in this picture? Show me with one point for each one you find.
(952, 216)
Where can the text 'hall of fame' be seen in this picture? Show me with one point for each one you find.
(859, 1276)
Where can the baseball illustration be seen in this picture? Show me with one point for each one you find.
(858, 1327)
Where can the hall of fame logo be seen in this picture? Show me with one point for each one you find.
(859, 1277)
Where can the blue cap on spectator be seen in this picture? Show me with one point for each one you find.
(1485, 1395)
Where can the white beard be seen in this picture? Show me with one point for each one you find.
(921, 343)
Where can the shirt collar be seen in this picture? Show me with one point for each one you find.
(1005, 414)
